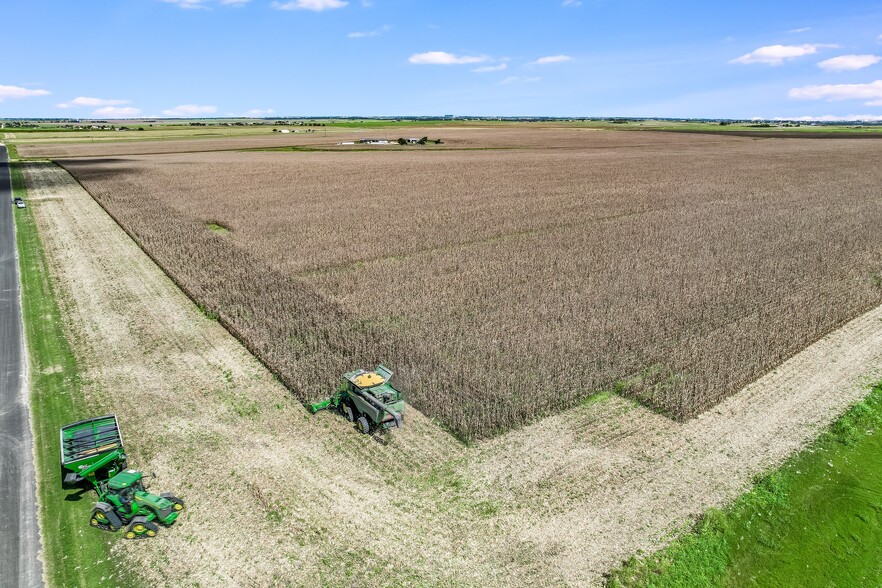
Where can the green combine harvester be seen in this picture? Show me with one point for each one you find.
(92, 452)
(367, 399)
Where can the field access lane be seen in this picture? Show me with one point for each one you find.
(19, 534)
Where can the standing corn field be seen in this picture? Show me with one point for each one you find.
(511, 284)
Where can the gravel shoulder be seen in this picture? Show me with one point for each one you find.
(277, 497)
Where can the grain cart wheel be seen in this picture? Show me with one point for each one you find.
(104, 518)
(177, 503)
(363, 425)
(141, 528)
(347, 411)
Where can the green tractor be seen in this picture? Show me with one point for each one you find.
(92, 452)
(367, 399)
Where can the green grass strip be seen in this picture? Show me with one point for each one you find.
(816, 521)
(74, 554)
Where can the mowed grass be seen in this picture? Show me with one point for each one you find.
(74, 554)
(817, 521)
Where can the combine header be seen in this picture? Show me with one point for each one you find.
(92, 451)
(367, 399)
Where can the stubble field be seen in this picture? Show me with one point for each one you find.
(508, 284)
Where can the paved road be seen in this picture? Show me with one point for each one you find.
(19, 535)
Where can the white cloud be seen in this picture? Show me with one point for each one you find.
(849, 62)
(259, 112)
(235, 2)
(837, 118)
(567, 3)
(551, 59)
(444, 58)
(186, 110)
(16, 92)
(519, 80)
(800, 30)
(86, 101)
(117, 112)
(871, 92)
(489, 68)
(373, 33)
(778, 54)
(313, 5)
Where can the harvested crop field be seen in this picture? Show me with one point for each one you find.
(453, 138)
(266, 139)
(275, 497)
(506, 285)
(110, 148)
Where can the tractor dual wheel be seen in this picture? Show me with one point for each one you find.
(363, 425)
(347, 412)
(141, 528)
(105, 518)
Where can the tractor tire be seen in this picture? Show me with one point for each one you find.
(141, 528)
(105, 518)
(347, 412)
(178, 504)
(152, 529)
(363, 425)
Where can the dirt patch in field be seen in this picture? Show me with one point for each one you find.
(276, 497)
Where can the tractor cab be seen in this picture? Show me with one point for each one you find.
(126, 492)
(126, 483)
(123, 488)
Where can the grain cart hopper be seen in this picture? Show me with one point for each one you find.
(92, 452)
(368, 399)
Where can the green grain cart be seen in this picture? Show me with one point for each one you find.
(367, 399)
(92, 452)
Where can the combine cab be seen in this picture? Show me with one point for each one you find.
(92, 453)
(367, 399)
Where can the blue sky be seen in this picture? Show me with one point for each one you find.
(129, 58)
